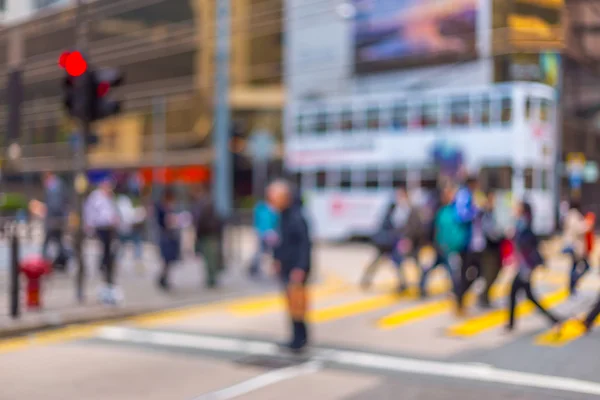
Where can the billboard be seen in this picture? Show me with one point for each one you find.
(391, 34)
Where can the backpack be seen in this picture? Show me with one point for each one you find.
(451, 235)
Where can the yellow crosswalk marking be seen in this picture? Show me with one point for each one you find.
(263, 306)
(494, 319)
(569, 332)
(369, 304)
(428, 309)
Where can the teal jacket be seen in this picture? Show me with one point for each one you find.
(265, 218)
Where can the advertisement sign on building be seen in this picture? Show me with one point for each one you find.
(390, 34)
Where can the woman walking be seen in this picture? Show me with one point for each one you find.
(576, 226)
(528, 258)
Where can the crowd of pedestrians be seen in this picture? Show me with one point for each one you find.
(467, 240)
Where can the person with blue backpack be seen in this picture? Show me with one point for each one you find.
(469, 216)
(449, 236)
(266, 221)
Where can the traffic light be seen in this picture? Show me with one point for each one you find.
(68, 86)
(98, 87)
(85, 97)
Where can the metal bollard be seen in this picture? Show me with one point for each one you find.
(15, 310)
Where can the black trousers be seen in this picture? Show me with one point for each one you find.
(490, 269)
(106, 237)
(518, 284)
(53, 235)
(470, 270)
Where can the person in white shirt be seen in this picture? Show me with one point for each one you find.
(131, 224)
(101, 217)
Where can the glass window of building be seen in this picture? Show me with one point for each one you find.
(460, 111)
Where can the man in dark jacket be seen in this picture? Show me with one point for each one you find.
(208, 234)
(292, 256)
(56, 209)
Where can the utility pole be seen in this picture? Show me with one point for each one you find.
(81, 28)
(222, 163)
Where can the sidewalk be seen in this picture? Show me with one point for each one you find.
(61, 307)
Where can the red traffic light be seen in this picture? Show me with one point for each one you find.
(103, 88)
(62, 60)
(73, 62)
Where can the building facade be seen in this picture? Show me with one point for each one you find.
(166, 50)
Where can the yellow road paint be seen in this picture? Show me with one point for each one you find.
(569, 332)
(265, 306)
(428, 309)
(494, 319)
(369, 304)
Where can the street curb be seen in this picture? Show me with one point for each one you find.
(59, 321)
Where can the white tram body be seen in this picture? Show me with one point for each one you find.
(349, 153)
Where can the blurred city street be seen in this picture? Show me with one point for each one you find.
(373, 344)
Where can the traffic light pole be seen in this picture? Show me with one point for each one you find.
(82, 133)
(222, 164)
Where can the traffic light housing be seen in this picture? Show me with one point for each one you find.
(99, 86)
(86, 97)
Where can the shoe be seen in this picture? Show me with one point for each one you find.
(402, 288)
(163, 284)
(111, 295)
(485, 304)
(509, 328)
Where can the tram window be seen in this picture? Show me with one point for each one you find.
(485, 111)
(399, 178)
(545, 177)
(400, 116)
(459, 112)
(300, 123)
(372, 181)
(430, 116)
(528, 108)
(528, 177)
(346, 179)
(496, 178)
(373, 118)
(506, 110)
(545, 111)
(347, 123)
(321, 122)
(321, 179)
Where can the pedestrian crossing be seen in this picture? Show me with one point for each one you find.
(382, 311)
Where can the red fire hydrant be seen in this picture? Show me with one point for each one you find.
(34, 268)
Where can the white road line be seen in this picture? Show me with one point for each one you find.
(261, 381)
(482, 373)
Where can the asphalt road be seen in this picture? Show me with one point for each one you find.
(366, 345)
